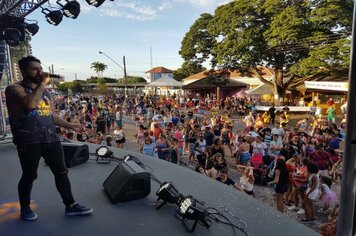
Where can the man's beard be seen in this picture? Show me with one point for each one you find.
(35, 80)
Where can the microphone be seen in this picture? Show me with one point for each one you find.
(55, 76)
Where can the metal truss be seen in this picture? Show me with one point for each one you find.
(19, 8)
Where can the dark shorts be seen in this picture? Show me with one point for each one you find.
(123, 140)
(281, 188)
(251, 193)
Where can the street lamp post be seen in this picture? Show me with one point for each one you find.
(123, 68)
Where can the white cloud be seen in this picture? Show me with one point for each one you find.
(135, 10)
(141, 10)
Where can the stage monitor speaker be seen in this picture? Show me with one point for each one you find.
(75, 153)
(127, 182)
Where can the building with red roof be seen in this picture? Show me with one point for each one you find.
(157, 73)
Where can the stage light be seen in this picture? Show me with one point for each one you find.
(168, 194)
(12, 37)
(53, 17)
(95, 3)
(135, 159)
(71, 9)
(103, 155)
(185, 205)
(189, 210)
(32, 29)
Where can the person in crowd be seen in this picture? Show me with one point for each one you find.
(258, 147)
(275, 146)
(327, 196)
(225, 179)
(226, 137)
(161, 147)
(100, 124)
(280, 182)
(200, 149)
(322, 159)
(272, 113)
(311, 193)
(174, 155)
(247, 179)
(291, 165)
(118, 116)
(278, 131)
(209, 138)
(300, 181)
(217, 147)
(192, 139)
(331, 113)
(119, 137)
(148, 146)
(249, 120)
(243, 154)
(32, 121)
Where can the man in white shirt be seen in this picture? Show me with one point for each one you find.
(278, 131)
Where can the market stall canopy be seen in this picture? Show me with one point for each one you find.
(205, 84)
(165, 81)
(262, 89)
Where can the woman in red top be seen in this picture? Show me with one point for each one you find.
(291, 165)
(299, 184)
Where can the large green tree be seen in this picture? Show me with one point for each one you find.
(300, 39)
(98, 67)
(187, 69)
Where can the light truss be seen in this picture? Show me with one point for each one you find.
(19, 8)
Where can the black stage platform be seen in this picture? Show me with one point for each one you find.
(132, 218)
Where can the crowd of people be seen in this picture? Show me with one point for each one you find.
(300, 160)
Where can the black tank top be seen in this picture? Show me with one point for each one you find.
(35, 126)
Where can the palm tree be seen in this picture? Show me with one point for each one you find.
(98, 67)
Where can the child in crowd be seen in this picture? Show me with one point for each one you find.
(327, 197)
(108, 140)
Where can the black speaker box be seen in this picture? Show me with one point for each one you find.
(75, 153)
(127, 182)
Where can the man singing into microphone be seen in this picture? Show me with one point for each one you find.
(33, 127)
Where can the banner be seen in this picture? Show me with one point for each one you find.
(321, 85)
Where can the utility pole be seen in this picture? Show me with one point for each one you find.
(52, 72)
(125, 75)
(347, 216)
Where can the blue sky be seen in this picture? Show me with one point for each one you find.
(119, 27)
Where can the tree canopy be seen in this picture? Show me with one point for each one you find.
(188, 68)
(300, 40)
(132, 80)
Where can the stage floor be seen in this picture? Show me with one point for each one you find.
(135, 217)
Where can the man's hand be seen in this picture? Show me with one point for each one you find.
(45, 78)
(78, 128)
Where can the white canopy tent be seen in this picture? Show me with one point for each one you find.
(164, 86)
(165, 81)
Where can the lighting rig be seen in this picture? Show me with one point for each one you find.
(189, 209)
(13, 25)
(104, 155)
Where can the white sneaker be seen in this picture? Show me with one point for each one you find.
(293, 208)
(301, 211)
